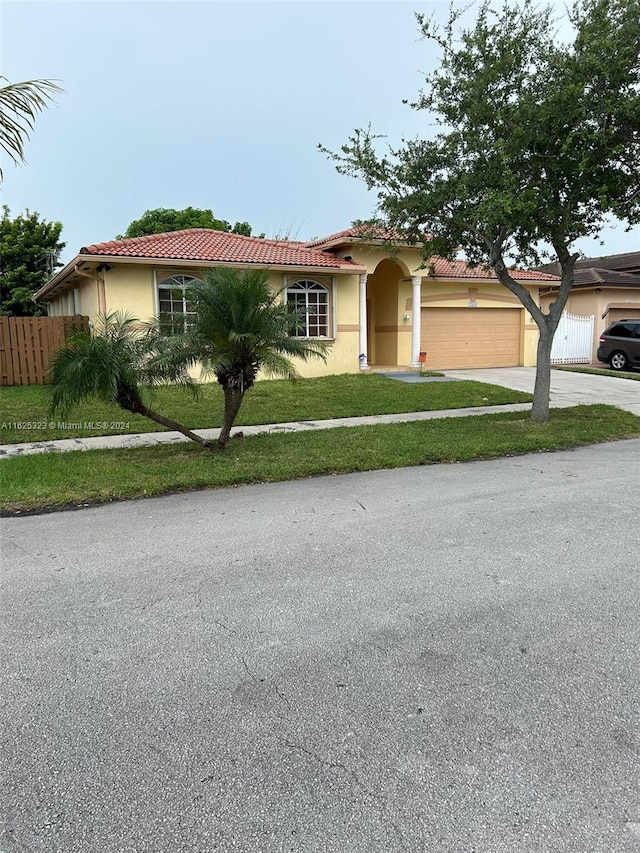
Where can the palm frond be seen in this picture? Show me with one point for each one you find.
(108, 362)
(86, 367)
(278, 366)
(167, 359)
(19, 105)
(242, 325)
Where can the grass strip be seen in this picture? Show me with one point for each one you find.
(48, 481)
(597, 371)
(24, 409)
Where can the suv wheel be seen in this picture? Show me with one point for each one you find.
(618, 361)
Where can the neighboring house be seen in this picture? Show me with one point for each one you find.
(607, 288)
(376, 308)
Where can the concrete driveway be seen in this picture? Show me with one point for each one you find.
(433, 659)
(567, 388)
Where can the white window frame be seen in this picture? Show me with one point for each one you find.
(161, 277)
(328, 286)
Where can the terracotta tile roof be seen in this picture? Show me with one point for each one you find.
(459, 269)
(355, 233)
(202, 244)
(442, 268)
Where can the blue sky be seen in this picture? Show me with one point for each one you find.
(216, 105)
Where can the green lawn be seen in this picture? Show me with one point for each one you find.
(67, 479)
(604, 371)
(24, 416)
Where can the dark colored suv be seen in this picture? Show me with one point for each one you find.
(620, 345)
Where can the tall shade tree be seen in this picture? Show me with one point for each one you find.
(29, 252)
(112, 363)
(20, 103)
(538, 144)
(163, 219)
(241, 326)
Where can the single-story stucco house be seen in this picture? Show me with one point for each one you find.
(607, 288)
(376, 308)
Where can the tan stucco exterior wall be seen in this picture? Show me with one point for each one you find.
(391, 343)
(132, 288)
(344, 347)
(468, 293)
(585, 303)
(388, 288)
(88, 293)
(382, 310)
(372, 256)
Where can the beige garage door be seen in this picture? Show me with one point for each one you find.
(615, 314)
(471, 337)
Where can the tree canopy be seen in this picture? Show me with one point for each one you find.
(167, 219)
(19, 105)
(29, 251)
(537, 144)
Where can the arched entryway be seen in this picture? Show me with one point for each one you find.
(388, 321)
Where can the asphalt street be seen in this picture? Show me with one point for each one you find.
(442, 658)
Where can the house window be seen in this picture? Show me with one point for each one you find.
(176, 311)
(310, 300)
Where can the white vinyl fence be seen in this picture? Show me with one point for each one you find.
(573, 340)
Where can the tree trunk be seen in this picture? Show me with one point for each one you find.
(547, 323)
(232, 402)
(542, 387)
(141, 409)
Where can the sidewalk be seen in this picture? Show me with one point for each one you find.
(106, 442)
(567, 389)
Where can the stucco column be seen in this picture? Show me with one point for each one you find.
(364, 364)
(416, 281)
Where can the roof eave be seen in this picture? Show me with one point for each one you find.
(58, 279)
(456, 277)
(61, 275)
(193, 262)
(597, 285)
(363, 241)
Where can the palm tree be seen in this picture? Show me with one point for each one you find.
(19, 105)
(240, 327)
(113, 363)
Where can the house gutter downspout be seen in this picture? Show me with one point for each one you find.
(99, 279)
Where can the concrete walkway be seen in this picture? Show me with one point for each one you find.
(105, 442)
(567, 389)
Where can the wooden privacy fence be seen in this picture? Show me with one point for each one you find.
(28, 343)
